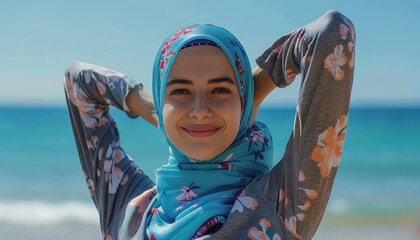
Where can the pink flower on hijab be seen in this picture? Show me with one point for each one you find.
(188, 193)
(239, 65)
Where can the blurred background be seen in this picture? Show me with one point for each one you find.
(43, 194)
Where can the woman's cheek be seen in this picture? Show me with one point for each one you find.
(169, 114)
(231, 112)
(172, 108)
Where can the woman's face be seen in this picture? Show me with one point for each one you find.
(202, 106)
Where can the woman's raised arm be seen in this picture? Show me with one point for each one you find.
(112, 177)
(299, 186)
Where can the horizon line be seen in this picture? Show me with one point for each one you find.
(265, 106)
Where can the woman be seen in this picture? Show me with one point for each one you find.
(218, 183)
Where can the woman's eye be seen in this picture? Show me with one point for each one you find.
(180, 92)
(221, 90)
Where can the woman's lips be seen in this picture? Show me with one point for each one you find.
(201, 131)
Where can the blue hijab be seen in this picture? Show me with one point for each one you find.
(194, 196)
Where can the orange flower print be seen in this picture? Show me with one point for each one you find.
(349, 28)
(111, 74)
(125, 179)
(281, 195)
(113, 174)
(277, 50)
(101, 85)
(343, 31)
(298, 41)
(330, 145)
(333, 62)
(88, 111)
(301, 216)
(107, 79)
(91, 186)
(91, 144)
(310, 193)
(291, 225)
(255, 234)
(103, 121)
(244, 201)
(350, 47)
(140, 203)
(114, 179)
(301, 176)
(86, 75)
(69, 85)
(305, 206)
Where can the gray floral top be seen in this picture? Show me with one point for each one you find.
(286, 203)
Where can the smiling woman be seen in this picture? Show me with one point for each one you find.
(218, 182)
(203, 93)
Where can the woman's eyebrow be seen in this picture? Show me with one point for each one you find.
(211, 81)
(220, 80)
(179, 81)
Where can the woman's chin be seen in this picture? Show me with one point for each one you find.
(202, 154)
(200, 158)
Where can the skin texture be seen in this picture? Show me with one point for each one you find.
(202, 106)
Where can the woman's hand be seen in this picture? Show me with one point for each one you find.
(263, 85)
(140, 102)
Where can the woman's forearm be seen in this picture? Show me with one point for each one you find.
(263, 85)
(140, 102)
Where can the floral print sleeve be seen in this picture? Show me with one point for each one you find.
(299, 186)
(116, 184)
(289, 201)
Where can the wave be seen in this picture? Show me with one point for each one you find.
(370, 207)
(41, 213)
(38, 213)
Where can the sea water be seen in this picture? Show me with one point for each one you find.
(42, 184)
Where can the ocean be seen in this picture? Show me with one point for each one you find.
(43, 194)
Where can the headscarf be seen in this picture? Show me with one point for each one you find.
(200, 194)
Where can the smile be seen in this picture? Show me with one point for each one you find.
(201, 131)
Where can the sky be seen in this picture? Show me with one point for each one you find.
(38, 39)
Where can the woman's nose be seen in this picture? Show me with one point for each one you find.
(200, 109)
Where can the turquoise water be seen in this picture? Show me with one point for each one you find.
(379, 171)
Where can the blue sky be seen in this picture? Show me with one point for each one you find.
(39, 38)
